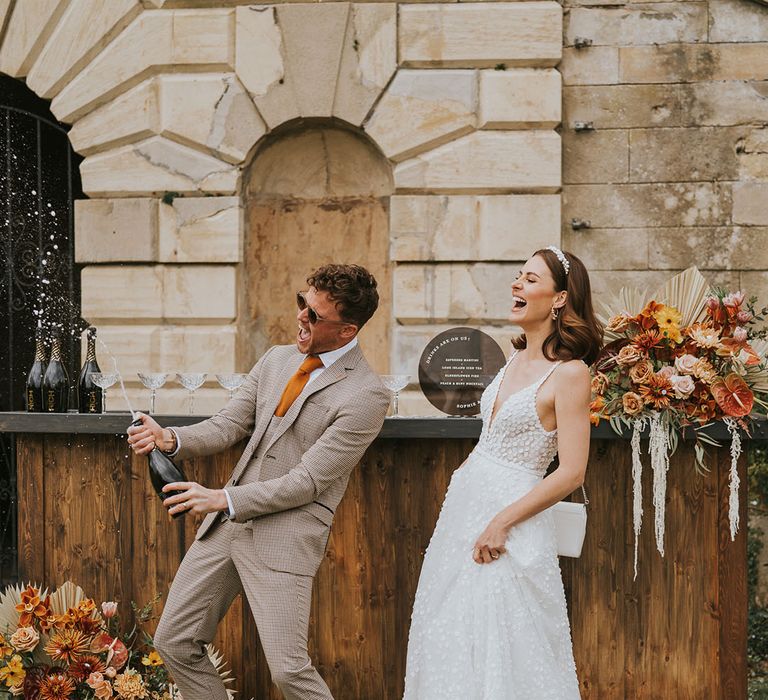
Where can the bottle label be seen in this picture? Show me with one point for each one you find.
(31, 403)
(51, 403)
(92, 402)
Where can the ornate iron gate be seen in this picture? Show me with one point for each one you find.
(39, 180)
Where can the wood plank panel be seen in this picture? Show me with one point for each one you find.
(30, 483)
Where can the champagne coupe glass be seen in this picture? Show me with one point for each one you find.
(395, 383)
(153, 381)
(232, 382)
(104, 380)
(191, 381)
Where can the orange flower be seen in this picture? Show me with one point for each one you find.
(647, 340)
(599, 383)
(67, 645)
(85, 666)
(647, 317)
(30, 607)
(595, 407)
(657, 392)
(619, 323)
(56, 686)
(701, 406)
(641, 372)
(5, 648)
(632, 403)
(733, 395)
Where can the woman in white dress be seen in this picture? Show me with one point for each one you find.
(489, 620)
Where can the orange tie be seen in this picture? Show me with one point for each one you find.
(296, 383)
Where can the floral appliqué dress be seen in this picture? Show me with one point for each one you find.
(495, 631)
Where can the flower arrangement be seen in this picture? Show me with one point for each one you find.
(60, 646)
(684, 357)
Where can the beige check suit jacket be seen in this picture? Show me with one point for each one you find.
(289, 488)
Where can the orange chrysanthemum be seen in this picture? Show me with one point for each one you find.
(67, 645)
(56, 686)
(647, 340)
(656, 392)
(85, 666)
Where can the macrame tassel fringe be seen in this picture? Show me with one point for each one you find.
(734, 483)
(659, 450)
(637, 483)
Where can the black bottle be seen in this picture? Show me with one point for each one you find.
(35, 376)
(55, 381)
(90, 398)
(162, 471)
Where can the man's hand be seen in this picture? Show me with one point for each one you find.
(143, 438)
(194, 499)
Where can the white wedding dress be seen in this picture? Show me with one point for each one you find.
(495, 631)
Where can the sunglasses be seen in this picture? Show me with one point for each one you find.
(301, 302)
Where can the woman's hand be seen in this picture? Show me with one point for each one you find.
(491, 543)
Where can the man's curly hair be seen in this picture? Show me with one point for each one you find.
(352, 289)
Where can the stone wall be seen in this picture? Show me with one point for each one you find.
(675, 171)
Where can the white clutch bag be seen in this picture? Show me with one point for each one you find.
(570, 526)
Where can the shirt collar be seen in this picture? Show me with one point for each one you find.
(328, 358)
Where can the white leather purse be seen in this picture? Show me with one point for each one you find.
(570, 526)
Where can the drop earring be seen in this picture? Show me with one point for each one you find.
(554, 313)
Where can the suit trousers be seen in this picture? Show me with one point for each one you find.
(215, 569)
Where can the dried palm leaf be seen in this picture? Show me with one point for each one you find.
(628, 301)
(687, 292)
(219, 663)
(67, 596)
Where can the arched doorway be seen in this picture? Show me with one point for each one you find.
(39, 180)
(315, 192)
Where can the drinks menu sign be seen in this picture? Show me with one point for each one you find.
(455, 368)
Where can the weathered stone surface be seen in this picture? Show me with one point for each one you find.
(499, 161)
(476, 293)
(737, 21)
(722, 248)
(153, 167)
(682, 63)
(30, 26)
(200, 229)
(654, 23)
(437, 106)
(684, 155)
(609, 249)
(598, 65)
(595, 156)
(200, 292)
(154, 38)
(368, 59)
(85, 29)
(481, 36)
(750, 203)
(755, 283)
(651, 205)
(464, 227)
(116, 230)
(520, 97)
(752, 153)
(727, 103)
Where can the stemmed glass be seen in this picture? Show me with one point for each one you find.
(104, 380)
(395, 383)
(232, 382)
(191, 381)
(153, 381)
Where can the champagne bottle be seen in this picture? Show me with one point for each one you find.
(55, 381)
(35, 376)
(89, 395)
(162, 471)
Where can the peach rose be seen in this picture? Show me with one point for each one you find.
(628, 355)
(685, 364)
(704, 370)
(641, 372)
(25, 639)
(683, 385)
(632, 402)
(667, 372)
(101, 686)
(599, 383)
(618, 323)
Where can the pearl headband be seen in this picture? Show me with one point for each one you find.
(561, 257)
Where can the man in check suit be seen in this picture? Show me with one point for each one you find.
(310, 411)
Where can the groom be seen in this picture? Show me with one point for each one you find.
(310, 411)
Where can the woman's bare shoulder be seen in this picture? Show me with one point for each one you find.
(573, 371)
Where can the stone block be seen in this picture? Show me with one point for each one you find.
(29, 28)
(647, 205)
(116, 230)
(639, 24)
(752, 153)
(200, 229)
(685, 155)
(755, 283)
(477, 293)
(750, 203)
(597, 65)
(595, 156)
(737, 22)
(482, 35)
(523, 97)
(199, 292)
(368, 59)
(436, 105)
(683, 63)
(85, 29)
(609, 249)
(607, 284)
(153, 167)
(465, 227)
(710, 248)
(154, 38)
(122, 292)
(489, 161)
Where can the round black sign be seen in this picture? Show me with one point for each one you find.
(455, 368)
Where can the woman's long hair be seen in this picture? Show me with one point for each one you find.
(578, 334)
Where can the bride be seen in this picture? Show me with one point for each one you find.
(489, 620)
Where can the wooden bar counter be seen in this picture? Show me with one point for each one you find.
(87, 513)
